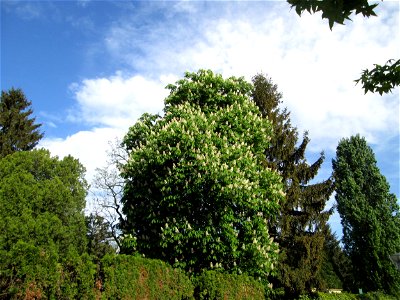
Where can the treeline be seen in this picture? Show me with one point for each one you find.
(217, 188)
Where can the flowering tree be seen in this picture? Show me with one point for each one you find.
(197, 193)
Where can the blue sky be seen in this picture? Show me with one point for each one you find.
(91, 68)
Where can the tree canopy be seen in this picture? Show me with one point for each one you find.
(335, 11)
(18, 131)
(300, 230)
(42, 225)
(197, 191)
(381, 79)
(370, 216)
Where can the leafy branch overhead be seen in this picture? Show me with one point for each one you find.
(336, 11)
(381, 79)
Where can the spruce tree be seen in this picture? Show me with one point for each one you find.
(302, 222)
(18, 131)
(370, 216)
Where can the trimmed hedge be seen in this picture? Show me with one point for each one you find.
(133, 277)
(338, 296)
(346, 296)
(214, 286)
(36, 273)
(377, 296)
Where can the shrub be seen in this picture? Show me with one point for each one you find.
(42, 228)
(346, 296)
(133, 277)
(39, 275)
(339, 296)
(377, 296)
(215, 285)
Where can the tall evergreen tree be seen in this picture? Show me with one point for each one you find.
(18, 131)
(302, 221)
(370, 216)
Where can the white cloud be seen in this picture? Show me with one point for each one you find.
(118, 101)
(90, 147)
(110, 106)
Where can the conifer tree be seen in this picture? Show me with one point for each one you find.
(18, 131)
(302, 220)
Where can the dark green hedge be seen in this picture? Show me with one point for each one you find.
(377, 296)
(346, 296)
(133, 277)
(214, 285)
(339, 296)
(36, 273)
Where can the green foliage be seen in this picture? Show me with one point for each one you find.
(336, 268)
(347, 296)
(337, 296)
(26, 267)
(329, 276)
(335, 11)
(370, 216)
(305, 297)
(18, 132)
(197, 194)
(381, 79)
(132, 277)
(215, 285)
(42, 226)
(377, 296)
(76, 277)
(300, 230)
(208, 91)
(99, 237)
